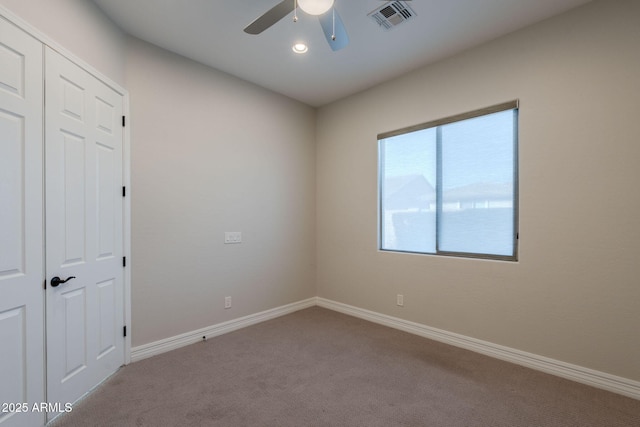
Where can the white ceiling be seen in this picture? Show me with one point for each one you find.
(211, 32)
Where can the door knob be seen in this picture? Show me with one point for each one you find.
(56, 280)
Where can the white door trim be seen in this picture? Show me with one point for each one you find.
(126, 152)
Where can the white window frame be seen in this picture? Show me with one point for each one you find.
(511, 105)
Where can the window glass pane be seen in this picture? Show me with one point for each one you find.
(478, 185)
(408, 196)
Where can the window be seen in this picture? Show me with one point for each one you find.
(450, 187)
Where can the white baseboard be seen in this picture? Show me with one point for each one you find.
(576, 373)
(172, 343)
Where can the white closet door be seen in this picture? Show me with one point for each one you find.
(84, 230)
(21, 232)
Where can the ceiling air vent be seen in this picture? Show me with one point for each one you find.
(392, 14)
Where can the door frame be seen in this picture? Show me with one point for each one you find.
(126, 160)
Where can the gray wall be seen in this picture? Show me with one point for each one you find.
(574, 294)
(212, 153)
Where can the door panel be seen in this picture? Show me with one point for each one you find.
(106, 166)
(21, 234)
(12, 57)
(75, 332)
(107, 332)
(73, 197)
(13, 336)
(12, 173)
(83, 152)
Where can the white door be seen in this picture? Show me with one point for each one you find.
(84, 234)
(21, 235)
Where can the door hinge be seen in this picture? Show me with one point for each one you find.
(124, 330)
(44, 285)
(124, 191)
(124, 261)
(123, 121)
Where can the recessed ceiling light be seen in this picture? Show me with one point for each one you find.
(299, 48)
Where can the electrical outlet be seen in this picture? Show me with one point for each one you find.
(400, 300)
(232, 237)
(227, 302)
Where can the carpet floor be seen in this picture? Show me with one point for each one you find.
(317, 367)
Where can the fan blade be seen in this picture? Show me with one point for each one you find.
(341, 38)
(270, 17)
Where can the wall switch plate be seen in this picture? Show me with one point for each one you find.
(227, 302)
(232, 237)
(400, 300)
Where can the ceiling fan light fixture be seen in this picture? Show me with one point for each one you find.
(315, 7)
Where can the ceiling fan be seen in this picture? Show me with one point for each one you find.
(328, 16)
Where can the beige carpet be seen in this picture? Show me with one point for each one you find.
(320, 368)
